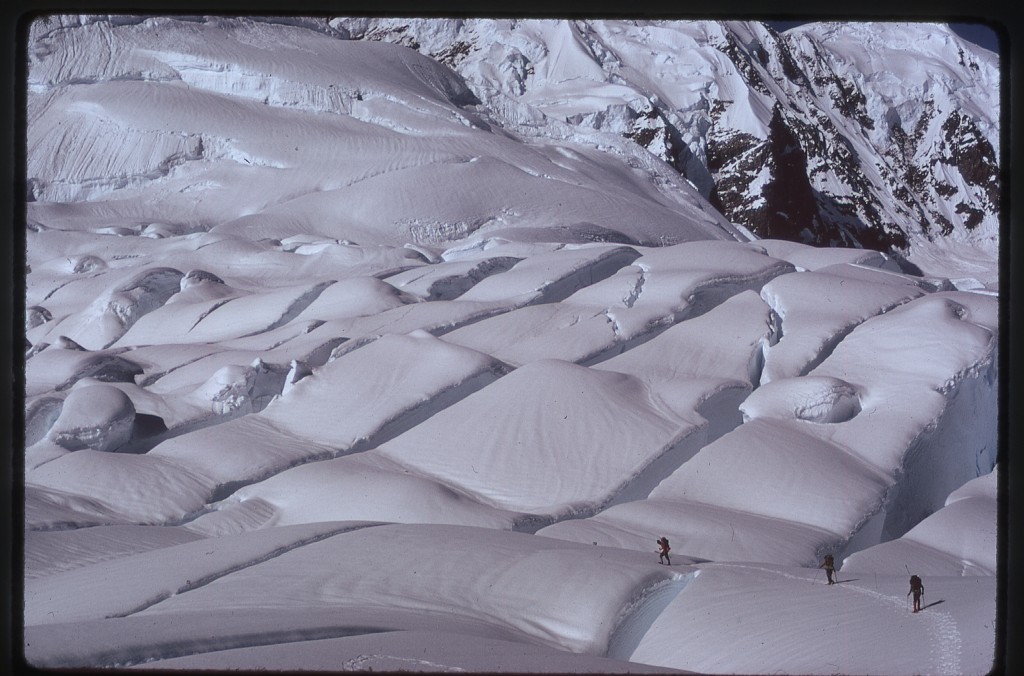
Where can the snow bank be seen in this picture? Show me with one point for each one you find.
(806, 257)
(57, 368)
(816, 311)
(618, 312)
(141, 489)
(543, 419)
(322, 415)
(108, 317)
(696, 532)
(436, 317)
(362, 487)
(402, 567)
(831, 492)
(817, 399)
(814, 635)
(693, 276)
(420, 650)
(548, 331)
(233, 318)
(100, 590)
(234, 453)
(412, 376)
(970, 511)
(450, 279)
(553, 276)
(51, 552)
(924, 370)
(100, 417)
(683, 351)
(354, 297)
(49, 509)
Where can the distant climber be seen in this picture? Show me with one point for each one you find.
(917, 589)
(830, 566)
(663, 550)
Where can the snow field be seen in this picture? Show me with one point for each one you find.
(671, 398)
(711, 511)
(830, 624)
(336, 362)
(497, 566)
(365, 484)
(512, 467)
(420, 650)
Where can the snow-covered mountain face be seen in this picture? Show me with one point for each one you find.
(882, 135)
(131, 120)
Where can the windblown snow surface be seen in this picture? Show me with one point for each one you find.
(328, 370)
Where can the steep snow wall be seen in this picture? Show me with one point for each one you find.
(961, 446)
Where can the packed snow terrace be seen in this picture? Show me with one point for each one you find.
(338, 359)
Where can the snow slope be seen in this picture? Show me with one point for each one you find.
(870, 134)
(338, 361)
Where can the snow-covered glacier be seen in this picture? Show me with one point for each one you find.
(883, 135)
(395, 345)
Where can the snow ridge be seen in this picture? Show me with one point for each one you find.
(191, 585)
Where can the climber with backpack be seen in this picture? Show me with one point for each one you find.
(917, 589)
(830, 566)
(663, 550)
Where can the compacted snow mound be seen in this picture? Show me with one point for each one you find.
(696, 532)
(815, 398)
(368, 391)
(57, 368)
(50, 552)
(362, 487)
(551, 437)
(405, 650)
(743, 601)
(814, 311)
(141, 489)
(100, 417)
(831, 492)
(400, 566)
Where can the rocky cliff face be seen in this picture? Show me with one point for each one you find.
(858, 134)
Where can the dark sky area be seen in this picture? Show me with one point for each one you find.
(978, 33)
